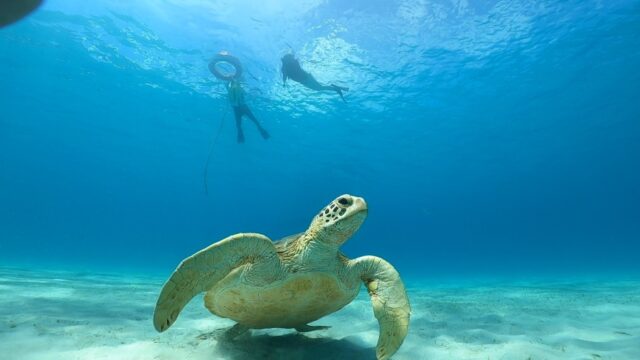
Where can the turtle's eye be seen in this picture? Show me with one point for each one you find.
(344, 201)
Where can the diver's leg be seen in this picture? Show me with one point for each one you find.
(263, 132)
(238, 113)
(313, 84)
(339, 90)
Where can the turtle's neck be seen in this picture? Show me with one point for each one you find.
(310, 247)
(318, 247)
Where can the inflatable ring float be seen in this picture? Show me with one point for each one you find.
(225, 67)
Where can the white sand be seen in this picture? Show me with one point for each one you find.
(62, 315)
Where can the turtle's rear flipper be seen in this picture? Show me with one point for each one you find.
(307, 328)
(235, 331)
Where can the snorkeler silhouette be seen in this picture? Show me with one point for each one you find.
(234, 89)
(291, 69)
(236, 98)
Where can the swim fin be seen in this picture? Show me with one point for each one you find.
(339, 90)
(264, 133)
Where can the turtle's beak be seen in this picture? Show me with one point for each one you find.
(359, 206)
(359, 203)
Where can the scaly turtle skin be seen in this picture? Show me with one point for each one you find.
(290, 283)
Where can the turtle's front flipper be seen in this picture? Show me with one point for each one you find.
(202, 270)
(389, 299)
(308, 328)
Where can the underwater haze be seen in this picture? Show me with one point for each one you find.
(485, 136)
(491, 139)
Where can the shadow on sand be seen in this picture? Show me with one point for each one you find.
(291, 346)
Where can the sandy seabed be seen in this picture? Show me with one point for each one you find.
(69, 315)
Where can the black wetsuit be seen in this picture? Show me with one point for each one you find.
(240, 109)
(291, 69)
(243, 109)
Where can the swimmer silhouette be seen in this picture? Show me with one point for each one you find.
(291, 69)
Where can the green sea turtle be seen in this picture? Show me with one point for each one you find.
(290, 283)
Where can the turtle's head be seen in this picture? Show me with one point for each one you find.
(339, 220)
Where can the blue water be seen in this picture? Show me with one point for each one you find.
(488, 137)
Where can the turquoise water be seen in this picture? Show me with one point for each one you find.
(484, 136)
(490, 139)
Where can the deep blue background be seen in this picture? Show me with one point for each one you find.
(488, 137)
